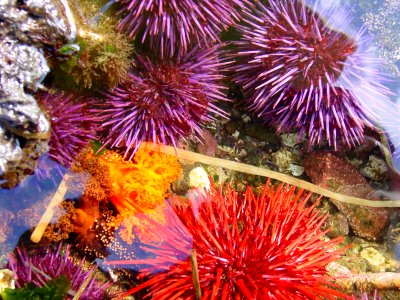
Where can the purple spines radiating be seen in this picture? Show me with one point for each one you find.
(72, 125)
(53, 263)
(163, 101)
(173, 24)
(298, 73)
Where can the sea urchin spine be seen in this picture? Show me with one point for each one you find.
(248, 247)
(171, 24)
(300, 73)
(72, 125)
(53, 263)
(163, 101)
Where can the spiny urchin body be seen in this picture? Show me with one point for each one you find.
(171, 24)
(299, 72)
(72, 124)
(53, 262)
(163, 101)
(247, 247)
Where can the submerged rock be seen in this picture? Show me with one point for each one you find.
(334, 173)
(25, 27)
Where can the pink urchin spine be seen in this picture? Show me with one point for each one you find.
(164, 101)
(299, 73)
(73, 124)
(175, 25)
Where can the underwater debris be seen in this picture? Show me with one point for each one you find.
(383, 24)
(381, 284)
(26, 26)
(47, 216)
(256, 247)
(7, 217)
(250, 169)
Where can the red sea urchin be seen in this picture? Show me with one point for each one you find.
(52, 263)
(300, 72)
(164, 100)
(72, 126)
(248, 247)
(172, 24)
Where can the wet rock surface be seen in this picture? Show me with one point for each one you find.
(332, 172)
(25, 27)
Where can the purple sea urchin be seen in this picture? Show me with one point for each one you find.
(163, 101)
(299, 72)
(171, 24)
(71, 124)
(54, 263)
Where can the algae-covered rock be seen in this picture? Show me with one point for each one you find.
(332, 172)
(338, 224)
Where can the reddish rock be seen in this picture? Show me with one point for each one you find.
(394, 181)
(334, 173)
(208, 144)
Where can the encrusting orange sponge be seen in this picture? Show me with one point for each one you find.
(143, 183)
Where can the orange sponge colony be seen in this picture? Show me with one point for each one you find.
(142, 184)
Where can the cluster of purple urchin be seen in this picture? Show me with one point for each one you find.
(164, 98)
(298, 70)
